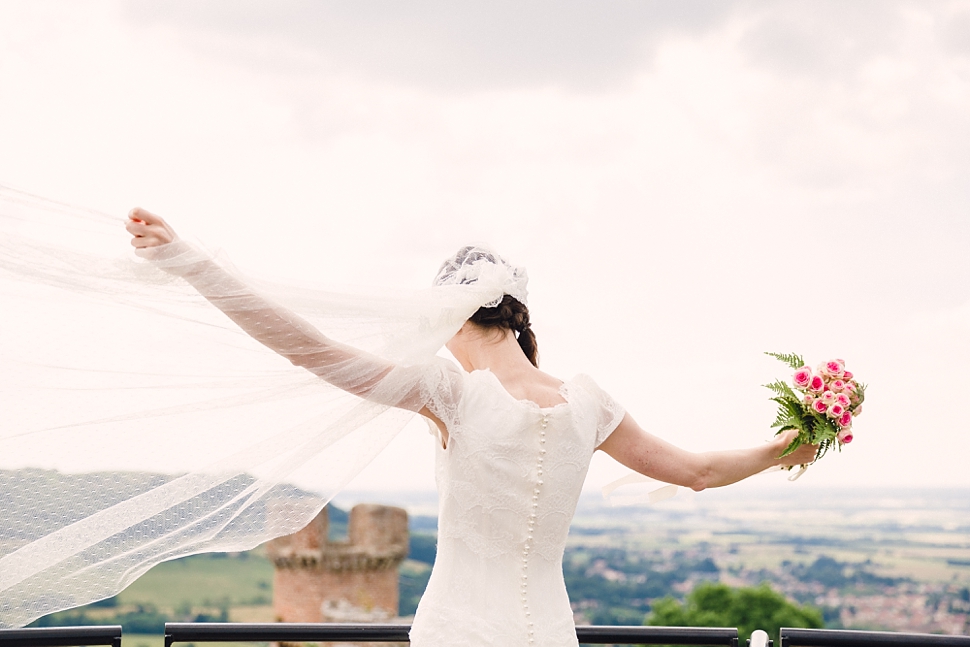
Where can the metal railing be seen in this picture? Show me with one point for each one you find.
(61, 636)
(851, 638)
(178, 632)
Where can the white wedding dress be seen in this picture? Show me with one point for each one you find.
(508, 484)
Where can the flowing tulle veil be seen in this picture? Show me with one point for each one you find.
(140, 424)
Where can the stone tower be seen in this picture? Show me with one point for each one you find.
(349, 581)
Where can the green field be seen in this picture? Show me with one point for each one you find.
(200, 588)
(205, 581)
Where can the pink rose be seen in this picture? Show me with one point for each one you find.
(817, 384)
(843, 399)
(828, 397)
(845, 420)
(849, 387)
(819, 407)
(837, 385)
(845, 436)
(833, 368)
(802, 377)
(836, 411)
(847, 375)
(857, 411)
(808, 399)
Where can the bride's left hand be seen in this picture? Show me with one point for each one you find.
(148, 230)
(801, 456)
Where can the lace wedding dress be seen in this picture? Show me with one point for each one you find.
(508, 483)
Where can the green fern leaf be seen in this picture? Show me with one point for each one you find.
(792, 359)
(789, 416)
(783, 419)
(781, 389)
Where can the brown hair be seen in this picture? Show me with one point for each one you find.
(510, 314)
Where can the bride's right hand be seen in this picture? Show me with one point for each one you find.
(148, 230)
(804, 455)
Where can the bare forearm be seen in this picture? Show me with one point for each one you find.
(720, 468)
(659, 459)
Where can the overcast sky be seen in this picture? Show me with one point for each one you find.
(688, 183)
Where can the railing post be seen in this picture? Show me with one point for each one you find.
(792, 637)
(759, 638)
(61, 636)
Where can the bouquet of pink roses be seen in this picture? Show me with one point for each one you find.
(821, 404)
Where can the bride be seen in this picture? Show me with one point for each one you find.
(513, 443)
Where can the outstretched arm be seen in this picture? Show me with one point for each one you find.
(275, 327)
(643, 452)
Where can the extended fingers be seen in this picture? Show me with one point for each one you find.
(141, 229)
(142, 215)
(136, 227)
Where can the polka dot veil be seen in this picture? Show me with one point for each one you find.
(163, 406)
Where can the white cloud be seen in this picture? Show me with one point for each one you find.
(446, 46)
(769, 176)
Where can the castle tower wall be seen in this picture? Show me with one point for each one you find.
(319, 595)
(318, 580)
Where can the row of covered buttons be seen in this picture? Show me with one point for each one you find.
(543, 423)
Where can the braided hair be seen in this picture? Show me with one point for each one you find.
(510, 314)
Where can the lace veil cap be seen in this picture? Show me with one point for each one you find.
(480, 266)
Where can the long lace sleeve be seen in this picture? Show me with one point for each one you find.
(291, 336)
